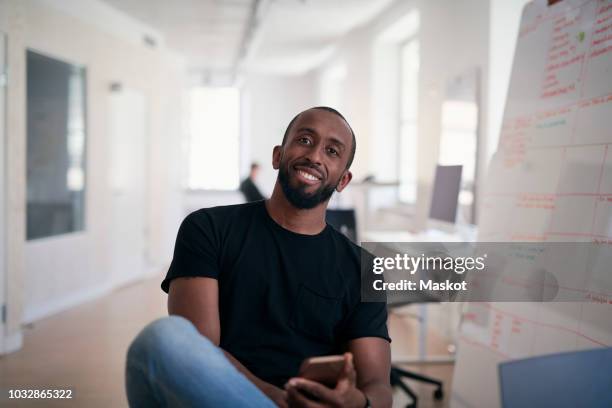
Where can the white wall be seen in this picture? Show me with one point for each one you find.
(2, 180)
(196, 199)
(50, 274)
(271, 101)
(166, 159)
(11, 17)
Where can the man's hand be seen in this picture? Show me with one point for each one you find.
(278, 396)
(310, 394)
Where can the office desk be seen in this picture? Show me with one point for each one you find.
(429, 235)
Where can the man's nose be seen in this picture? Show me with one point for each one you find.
(315, 155)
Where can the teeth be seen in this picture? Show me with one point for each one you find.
(307, 176)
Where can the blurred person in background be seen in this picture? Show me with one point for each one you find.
(248, 187)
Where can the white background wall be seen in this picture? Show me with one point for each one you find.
(11, 17)
(2, 180)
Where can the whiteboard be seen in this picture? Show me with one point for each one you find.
(549, 181)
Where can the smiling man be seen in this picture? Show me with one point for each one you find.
(256, 288)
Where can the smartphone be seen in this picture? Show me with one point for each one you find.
(325, 369)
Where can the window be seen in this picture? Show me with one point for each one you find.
(214, 135)
(409, 95)
(55, 147)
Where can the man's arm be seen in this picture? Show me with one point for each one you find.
(197, 300)
(366, 374)
(372, 356)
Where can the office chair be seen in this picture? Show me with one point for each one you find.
(398, 374)
(344, 221)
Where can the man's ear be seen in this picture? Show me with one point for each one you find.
(277, 154)
(346, 178)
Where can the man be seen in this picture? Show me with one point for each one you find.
(261, 286)
(248, 187)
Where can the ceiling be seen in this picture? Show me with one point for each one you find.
(279, 36)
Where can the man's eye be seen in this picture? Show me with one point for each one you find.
(304, 140)
(333, 151)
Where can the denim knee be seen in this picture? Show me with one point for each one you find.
(160, 337)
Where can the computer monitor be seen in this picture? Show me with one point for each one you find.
(344, 220)
(445, 196)
(572, 379)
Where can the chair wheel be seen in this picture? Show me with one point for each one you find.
(438, 394)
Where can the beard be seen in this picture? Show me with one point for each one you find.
(298, 196)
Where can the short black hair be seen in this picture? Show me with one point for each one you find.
(335, 112)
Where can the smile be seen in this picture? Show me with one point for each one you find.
(307, 176)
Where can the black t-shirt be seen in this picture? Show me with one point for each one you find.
(282, 296)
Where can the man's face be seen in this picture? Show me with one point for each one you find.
(312, 163)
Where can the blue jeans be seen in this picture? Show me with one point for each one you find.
(170, 364)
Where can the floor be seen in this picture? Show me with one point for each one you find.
(83, 349)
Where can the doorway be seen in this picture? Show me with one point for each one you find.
(128, 178)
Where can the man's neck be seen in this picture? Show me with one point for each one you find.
(301, 221)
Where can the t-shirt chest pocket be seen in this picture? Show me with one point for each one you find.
(316, 315)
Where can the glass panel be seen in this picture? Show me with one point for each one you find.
(55, 147)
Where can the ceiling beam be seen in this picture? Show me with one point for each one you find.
(252, 35)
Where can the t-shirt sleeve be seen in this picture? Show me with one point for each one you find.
(368, 319)
(196, 251)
